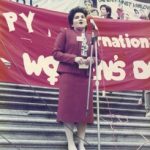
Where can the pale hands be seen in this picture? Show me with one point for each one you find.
(81, 60)
(87, 61)
(84, 63)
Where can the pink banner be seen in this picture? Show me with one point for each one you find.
(27, 35)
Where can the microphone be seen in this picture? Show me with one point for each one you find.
(93, 24)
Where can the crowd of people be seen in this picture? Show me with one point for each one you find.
(105, 11)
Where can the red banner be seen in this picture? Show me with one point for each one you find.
(27, 35)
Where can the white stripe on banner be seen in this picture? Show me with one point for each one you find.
(58, 5)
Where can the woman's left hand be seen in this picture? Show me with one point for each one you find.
(87, 61)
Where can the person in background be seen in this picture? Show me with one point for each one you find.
(105, 11)
(136, 15)
(147, 102)
(143, 15)
(25, 2)
(94, 12)
(120, 11)
(88, 5)
(126, 16)
(72, 50)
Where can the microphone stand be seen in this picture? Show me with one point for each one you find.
(94, 47)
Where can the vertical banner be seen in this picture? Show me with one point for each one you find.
(56, 5)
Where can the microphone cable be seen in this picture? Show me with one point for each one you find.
(104, 88)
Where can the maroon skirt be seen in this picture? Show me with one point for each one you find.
(72, 105)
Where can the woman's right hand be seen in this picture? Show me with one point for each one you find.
(79, 60)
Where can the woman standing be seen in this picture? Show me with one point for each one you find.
(72, 50)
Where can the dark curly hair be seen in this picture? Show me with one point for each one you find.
(73, 12)
(108, 9)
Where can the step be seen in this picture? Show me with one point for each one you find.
(125, 145)
(129, 94)
(51, 92)
(26, 106)
(29, 92)
(16, 97)
(20, 88)
(44, 114)
(33, 133)
(123, 105)
(118, 99)
(125, 126)
(108, 117)
(103, 111)
(125, 118)
(31, 96)
(46, 102)
(121, 111)
(25, 86)
(62, 145)
(52, 123)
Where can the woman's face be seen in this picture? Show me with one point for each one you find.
(79, 21)
(103, 11)
(88, 6)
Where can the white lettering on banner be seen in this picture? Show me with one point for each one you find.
(141, 69)
(11, 19)
(47, 64)
(124, 41)
(141, 6)
(113, 70)
(49, 33)
(108, 0)
(28, 20)
(127, 3)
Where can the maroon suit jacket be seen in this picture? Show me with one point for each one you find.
(66, 48)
